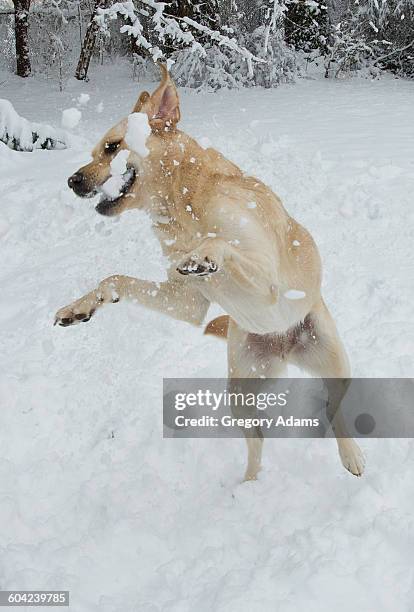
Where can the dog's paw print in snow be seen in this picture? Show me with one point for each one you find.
(198, 267)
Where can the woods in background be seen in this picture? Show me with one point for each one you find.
(212, 43)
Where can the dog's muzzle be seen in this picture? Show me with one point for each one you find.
(79, 185)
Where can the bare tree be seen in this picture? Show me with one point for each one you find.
(21, 29)
(89, 42)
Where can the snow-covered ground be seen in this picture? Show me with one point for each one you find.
(92, 499)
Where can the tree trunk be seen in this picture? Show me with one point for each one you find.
(21, 29)
(225, 10)
(89, 42)
(336, 9)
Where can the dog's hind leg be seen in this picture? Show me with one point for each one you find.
(319, 350)
(174, 298)
(247, 360)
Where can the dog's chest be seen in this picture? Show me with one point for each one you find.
(251, 311)
(173, 240)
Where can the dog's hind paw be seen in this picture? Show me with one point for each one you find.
(198, 267)
(351, 456)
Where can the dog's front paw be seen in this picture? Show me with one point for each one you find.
(351, 456)
(73, 314)
(197, 266)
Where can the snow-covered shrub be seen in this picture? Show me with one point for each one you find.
(347, 49)
(374, 34)
(306, 24)
(389, 24)
(53, 43)
(280, 60)
(217, 68)
(213, 59)
(213, 48)
(21, 135)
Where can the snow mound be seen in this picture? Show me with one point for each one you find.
(21, 135)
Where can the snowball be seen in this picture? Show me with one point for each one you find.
(70, 118)
(119, 163)
(83, 99)
(294, 294)
(112, 187)
(296, 243)
(137, 133)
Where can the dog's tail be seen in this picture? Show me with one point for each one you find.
(218, 327)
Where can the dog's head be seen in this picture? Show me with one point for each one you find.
(160, 113)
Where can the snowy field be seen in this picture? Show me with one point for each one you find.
(92, 499)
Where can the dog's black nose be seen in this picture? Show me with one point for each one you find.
(75, 180)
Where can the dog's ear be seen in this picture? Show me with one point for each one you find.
(143, 98)
(163, 106)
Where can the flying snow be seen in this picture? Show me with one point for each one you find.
(294, 294)
(70, 118)
(137, 133)
(83, 99)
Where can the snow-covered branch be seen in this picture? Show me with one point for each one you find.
(170, 28)
(400, 50)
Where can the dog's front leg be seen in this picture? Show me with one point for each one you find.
(205, 259)
(174, 298)
(252, 271)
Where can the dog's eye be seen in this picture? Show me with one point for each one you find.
(111, 147)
